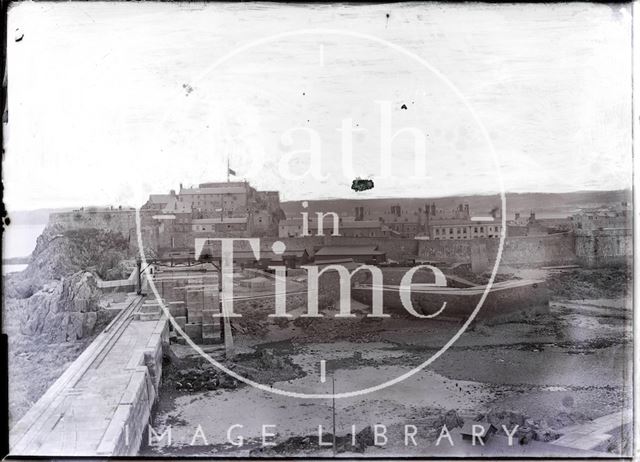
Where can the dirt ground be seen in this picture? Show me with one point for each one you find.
(551, 367)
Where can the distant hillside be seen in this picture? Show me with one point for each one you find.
(545, 205)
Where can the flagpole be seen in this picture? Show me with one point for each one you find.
(227, 167)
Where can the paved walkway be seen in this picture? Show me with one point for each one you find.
(101, 403)
(591, 435)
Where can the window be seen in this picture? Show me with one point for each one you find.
(450, 230)
(482, 229)
(475, 229)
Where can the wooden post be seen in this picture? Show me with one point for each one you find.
(226, 322)
(333, 399)
(139, 265)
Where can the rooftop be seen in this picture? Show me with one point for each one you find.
(461, 222)
(160, 198)
(349, 250)
(345, 222)
(216, 221)
(216, 190)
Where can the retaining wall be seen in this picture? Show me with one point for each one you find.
(547, 249)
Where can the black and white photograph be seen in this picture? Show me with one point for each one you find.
(311, 231)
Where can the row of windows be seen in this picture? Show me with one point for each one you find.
(217, 196)
(463, 236)
(460, 230)
(213, 227)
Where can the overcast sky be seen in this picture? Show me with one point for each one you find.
(109, 102)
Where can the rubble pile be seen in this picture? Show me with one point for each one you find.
(200, 379)
(310, 443)
(583, 283)
(264, 366)
(545, 430)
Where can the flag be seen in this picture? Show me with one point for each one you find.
(231, 172)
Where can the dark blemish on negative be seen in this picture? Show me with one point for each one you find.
(404, 106)
(7, 221)
(19, 35)
(359, 184)
(188, 88)
(303, 93)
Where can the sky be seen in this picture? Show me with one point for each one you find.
(109, 102)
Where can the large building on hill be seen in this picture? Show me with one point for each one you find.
(224, 209)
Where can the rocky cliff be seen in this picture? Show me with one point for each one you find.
(65, 311)
(58, 290)
(60, 253)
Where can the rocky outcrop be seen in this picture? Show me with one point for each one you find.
(65, 311)
(59, 290)
(60, 253)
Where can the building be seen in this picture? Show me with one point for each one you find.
(236, 226)
(362, 254)
(463, 229)
(604, 235)
(217, 198)
(291, 258)
(347, 226)
(532, 226)
(403, 223)
(428, 222)
(588, 219)
(225, 209)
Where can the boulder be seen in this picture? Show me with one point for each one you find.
(66, 310)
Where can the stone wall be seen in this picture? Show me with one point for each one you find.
(450, 251)
(119, 220)
(550, 249)
(518, 250)
(605, 247)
